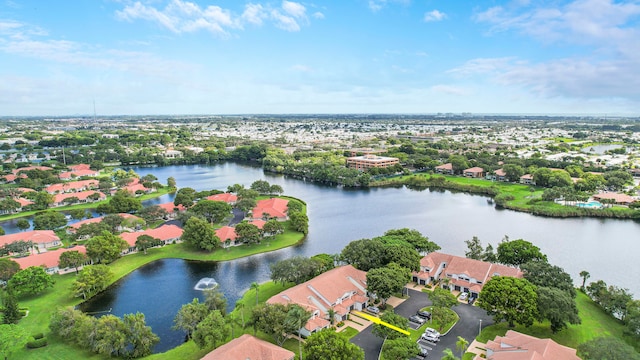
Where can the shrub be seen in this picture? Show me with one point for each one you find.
(341, 324)
(37, 343)
(38, 336)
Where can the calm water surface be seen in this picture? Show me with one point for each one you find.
(338, 216)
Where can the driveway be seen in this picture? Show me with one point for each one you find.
(238, 216)
(468, 327)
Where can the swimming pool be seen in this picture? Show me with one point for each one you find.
(591, 205)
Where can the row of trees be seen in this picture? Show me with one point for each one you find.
(108, 335)
(617, 302)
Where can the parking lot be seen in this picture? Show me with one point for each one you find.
(471, 317)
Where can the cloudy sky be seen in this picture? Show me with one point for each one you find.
(337, 56)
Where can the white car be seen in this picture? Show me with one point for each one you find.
(431, 331)
(430, 338)
(464, 296)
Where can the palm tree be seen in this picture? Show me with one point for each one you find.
(462, 345)
(448, 355)
(240, 307)
(585, 275)
(332, 314)
(255, 286)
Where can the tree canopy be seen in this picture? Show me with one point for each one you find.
(518, 252)
(511, 299)
(30, 281)
(200, 234)
(386, 281)
(330, 345)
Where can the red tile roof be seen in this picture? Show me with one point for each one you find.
(170, 207)
(164, 233)
(500, 172)
(447, 166)
(77, 225)
(79, 167)
(43, 168)
(77, 173)
(456, 265)
(518, 346)
(226, 232)
(36, 236)
(259, 223)
(81, 195)
(275, 207)
(226, 197)
(23, 202)
(133, 188)
(247, 347)
(332, 285)
(48, 259)
(617, 197)
(72, 186)
(474, 170)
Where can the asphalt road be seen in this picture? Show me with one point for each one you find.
(468, 327)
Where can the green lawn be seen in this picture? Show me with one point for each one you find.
(595, 322)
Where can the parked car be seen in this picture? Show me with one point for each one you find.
(416, 319)
(432, 331)
(423, 352)
(463, 296)
(373, 310)
(472, 300)
(424, 314)
(430, 338)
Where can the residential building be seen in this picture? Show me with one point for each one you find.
(369, 161)
(67, 175)
(527, 179)
(229, 198)
(616, 198)
(259, 223)
(474, 172)
(446, 169)
(166, 233)
(461, 274)
(498, 175)
(517, 346)
(248, 347)
(81, 196)
(172, 210)
(270, 208)
(172, 154)
(342, 289)
(42, 239)
(123, 227)
(49, 260)
(73, 186)
(79, 167)
(227, 233)
(23, 169)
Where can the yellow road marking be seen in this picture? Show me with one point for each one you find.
(377, 320)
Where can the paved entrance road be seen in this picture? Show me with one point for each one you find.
(467, 327)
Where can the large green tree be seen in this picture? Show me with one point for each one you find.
(394, 319)
(12, 338)
(140, 336)
(518, 252)
(215, 300)
(541, 273)
(248, 233)
(297, 270)
(190, 315)
(110, 336)
(406, 257)
(400, 348)
(385, 281)
(442, 298)
(8, 268)
(364, 254)
(607, 348)
(49, 220)
(32, 280)
(105, 247)
(91, 280)
(11, 311)
(278, 320)
(511, 299)
(211, 331)
(419, 242)
(330, 345)
(72, 259)
(475, 249)
(557, 306)
(200, 234)
(212, 211)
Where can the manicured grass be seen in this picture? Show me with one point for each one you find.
(595, 322)
(349, 332)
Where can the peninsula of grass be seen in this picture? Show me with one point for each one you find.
(42, 306)
(518, 197)
(595, 323)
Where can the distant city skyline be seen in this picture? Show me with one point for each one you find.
(169, 57)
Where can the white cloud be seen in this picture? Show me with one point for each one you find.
(181, 16)
(318, 15)
(377, 5)
(434, 15)
(302, 68)
(294, 9)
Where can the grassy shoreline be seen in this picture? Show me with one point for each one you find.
(42, 305)
(523, 198)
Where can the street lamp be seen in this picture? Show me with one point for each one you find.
(431, 318)
(480, 330)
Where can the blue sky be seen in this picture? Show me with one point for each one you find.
(340, 56)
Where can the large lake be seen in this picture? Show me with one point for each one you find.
(607, 248)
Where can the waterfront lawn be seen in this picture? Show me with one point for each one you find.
(595, 322)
